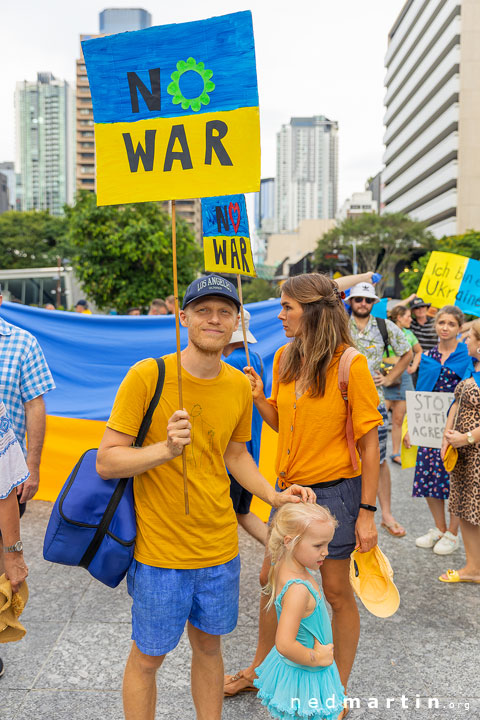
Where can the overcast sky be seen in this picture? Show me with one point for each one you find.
(314, 57)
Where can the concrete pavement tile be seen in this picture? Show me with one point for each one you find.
(238, 648)
(57, 588)
(59, 705)
(244, 707)
(88, 656)
(24, 660)
(10, 702)
(100, 603)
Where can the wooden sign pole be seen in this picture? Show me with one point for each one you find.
(179, 357)
(240, 297)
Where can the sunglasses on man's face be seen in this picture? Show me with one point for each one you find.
(359, 300)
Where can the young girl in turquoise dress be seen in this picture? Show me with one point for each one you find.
(299, 678)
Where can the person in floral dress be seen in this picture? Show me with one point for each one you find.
(441, 369)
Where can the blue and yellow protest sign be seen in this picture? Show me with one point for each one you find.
(175, 110)
(226, 237)
(451, 279)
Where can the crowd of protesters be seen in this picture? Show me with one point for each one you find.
(331, 452)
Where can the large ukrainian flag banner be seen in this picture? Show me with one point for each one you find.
(89, 355)
(176, 111)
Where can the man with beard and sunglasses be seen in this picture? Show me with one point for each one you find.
(367, 335)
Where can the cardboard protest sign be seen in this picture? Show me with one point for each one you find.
(175, 110)
(226, 237)
(451, 279)
(427, 416)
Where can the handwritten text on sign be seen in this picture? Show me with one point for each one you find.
(175, 110)
(226, 241)
(427, 416)
(451, 279)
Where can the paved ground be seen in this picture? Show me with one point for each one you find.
(70, 663)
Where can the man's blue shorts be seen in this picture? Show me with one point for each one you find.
(164, 599)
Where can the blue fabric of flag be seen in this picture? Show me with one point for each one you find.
(89, 355)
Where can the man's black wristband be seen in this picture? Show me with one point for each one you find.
(372, 508)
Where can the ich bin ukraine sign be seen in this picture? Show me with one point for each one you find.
(175, 110)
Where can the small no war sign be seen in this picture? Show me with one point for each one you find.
(451, 279)
(226, 237)
(175, 110)
(427, 416)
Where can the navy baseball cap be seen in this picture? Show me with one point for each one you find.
(210, 285)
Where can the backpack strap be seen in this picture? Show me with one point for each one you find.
(382, 326)
(343, 375)
(117, 494)
(146, 422)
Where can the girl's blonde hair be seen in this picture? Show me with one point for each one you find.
(291, 520)
(324, 325)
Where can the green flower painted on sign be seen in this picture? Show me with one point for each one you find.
(174, 87)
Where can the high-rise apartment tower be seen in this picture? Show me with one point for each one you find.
(432, 155)
(307, 171)
(44, 142)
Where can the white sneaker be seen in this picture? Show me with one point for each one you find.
(447, 544)
(429, 539)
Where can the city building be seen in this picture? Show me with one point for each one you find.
(307, 171)
(374, 184)
(289, 248)
(359, 203)
(111, 21)
(4, 195)
(117, 20)
(85, 136)
(432, 154)
(191, 212)
(44, 142)
(265, 206)
(8, 170)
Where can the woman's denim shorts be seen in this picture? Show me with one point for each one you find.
(343, 501)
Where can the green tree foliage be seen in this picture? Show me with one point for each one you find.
(257, 289)
(31, 239)
(123, 255)
(381, 241)
(467, 244)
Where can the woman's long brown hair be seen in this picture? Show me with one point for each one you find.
(324, 327)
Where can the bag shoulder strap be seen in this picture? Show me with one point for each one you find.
(117, 494)
(382, 326)
(343, 377)
(147, 420)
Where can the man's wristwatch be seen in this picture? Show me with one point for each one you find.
(470, 438)
(18, 547)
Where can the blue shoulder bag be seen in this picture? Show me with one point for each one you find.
(92, 524)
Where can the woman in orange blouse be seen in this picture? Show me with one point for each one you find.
(307, 410)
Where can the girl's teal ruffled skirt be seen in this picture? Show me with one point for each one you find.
(292, 692)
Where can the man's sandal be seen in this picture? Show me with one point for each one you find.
(235, 684)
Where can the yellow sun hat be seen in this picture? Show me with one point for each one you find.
(11, 607)
(371, 577)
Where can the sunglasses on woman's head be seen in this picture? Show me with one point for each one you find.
(359, 300)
